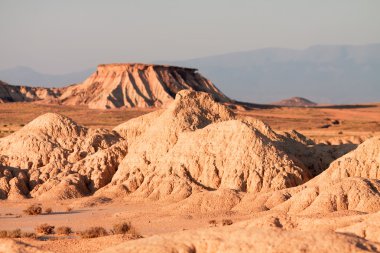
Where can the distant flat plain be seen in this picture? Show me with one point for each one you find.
(360, 121)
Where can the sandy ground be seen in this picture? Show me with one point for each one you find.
(148, 218)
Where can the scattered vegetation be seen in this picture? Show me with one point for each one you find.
(64, 230)
(48, 210)
(45, 229)
(122, 228)
(33, 210)
(17, 233)
(125, 228)
(28, 235)
(94, 232)
(10, 234)
(227, 222)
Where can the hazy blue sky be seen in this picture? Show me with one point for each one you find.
(56, 36)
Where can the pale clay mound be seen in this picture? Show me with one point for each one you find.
(194, 145)
(201, 145)
(53, 152)
(350, 183)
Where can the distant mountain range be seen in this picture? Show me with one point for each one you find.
(324, 74)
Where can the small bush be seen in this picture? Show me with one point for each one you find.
(33, 210)
(28, 235)
(212, 223)
(45, 229)
(121, 228)
(94, 232)
(227, 222)
(14, 233)
(64, 230)
(10, 234)
(48, 210)
(69, 209)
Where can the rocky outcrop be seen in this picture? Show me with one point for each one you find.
(10, 93)
(54, 154)
(296, 101)
(197, 144)
(136, 85)
(119, 86)
(194, 145)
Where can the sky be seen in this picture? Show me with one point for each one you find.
(56, 37)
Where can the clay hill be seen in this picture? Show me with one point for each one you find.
(10, 93)
(197, 157)
(296, 101)
(119, 85)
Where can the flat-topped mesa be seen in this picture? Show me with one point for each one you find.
(139, 66)
(137, 85)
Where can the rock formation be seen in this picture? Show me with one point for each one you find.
(119, 86)
(136, 85)
(10, 93)
(197, 144)
(194, 145)
(309, 197)
(53, 151)
(296, 101)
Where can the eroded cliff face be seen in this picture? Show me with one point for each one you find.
(10, 93)
(136, 85)
(118, 86)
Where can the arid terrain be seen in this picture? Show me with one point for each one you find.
(190, 171)
(351, 122)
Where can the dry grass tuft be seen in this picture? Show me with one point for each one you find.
(45, 229)
(122, 228)
(17, 233)
(212, 223)
(33, 210)
(64, 230)
(125, 228)
(10, 234)
(28, 235)
(227, 222)
(94, 232)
